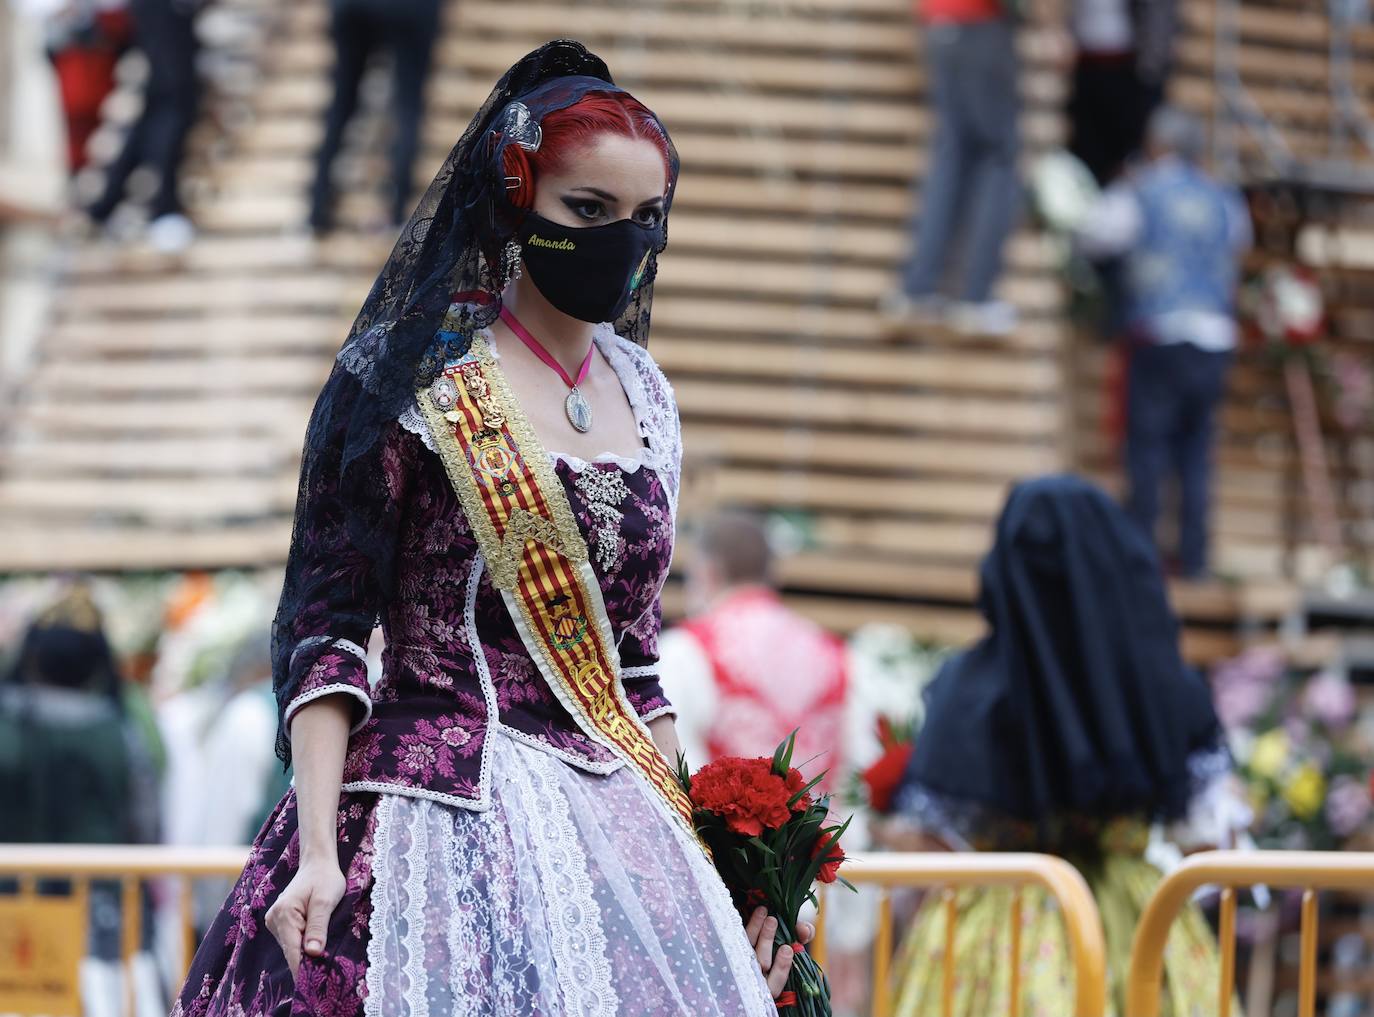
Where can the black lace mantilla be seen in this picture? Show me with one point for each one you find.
(449, 254)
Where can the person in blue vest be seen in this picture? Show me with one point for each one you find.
(1179, 235)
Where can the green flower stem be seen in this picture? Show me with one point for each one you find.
(806, 979)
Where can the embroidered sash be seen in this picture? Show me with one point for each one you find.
(537, 556)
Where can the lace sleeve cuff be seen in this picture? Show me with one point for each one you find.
(645, 693)
(327, 667)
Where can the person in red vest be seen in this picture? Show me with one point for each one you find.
(744, 670)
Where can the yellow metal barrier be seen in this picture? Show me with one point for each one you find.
(130, 865)
(47, 935)
(1308, 871)
(951, 872)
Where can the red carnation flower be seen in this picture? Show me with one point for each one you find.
(746, 793)
(828, 848)
(795, 782)
(884, 777)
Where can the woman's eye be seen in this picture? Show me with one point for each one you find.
(587, 210)
(649, 216)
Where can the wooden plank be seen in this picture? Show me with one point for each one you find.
(149, 456)
(94, 337)
(700, 400)
(272, 292)
(796, 446)
(213, 375)
(243, 414)
(861, 493)
(152, 499)
(52, 547)
(793, 363)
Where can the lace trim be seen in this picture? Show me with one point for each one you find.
(655, 408)
(479, 657)
(385, 789)
(578, 940)
(413, 421)
(651, 400)
(338, 688)
(581, 762)
(669, 710)
(384, 894)
(347, 645)
(647, 671)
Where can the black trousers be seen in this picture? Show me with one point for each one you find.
(1109, 107)
(359, 29)
(1172, 396)
(165, 32)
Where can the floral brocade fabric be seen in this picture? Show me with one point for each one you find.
(454, 666)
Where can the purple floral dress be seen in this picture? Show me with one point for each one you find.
(498, 860)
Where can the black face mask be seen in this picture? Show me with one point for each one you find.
(588, 273)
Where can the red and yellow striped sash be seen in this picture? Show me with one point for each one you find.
(537, 556)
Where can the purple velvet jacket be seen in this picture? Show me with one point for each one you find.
(453, 668)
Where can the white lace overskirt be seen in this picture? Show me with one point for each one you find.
(575, 895)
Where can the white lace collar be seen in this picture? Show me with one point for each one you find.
(651, 401)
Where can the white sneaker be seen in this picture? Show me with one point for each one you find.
(898, 308)
(991, 318)
(170, 234)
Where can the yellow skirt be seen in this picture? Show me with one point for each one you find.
(982, 951)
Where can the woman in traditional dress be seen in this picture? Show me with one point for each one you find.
(1072, 728)
(492, 469)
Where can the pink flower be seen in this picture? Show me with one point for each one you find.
(1347, 805)
(1242, 687)
(1329, 699)
(455, 736)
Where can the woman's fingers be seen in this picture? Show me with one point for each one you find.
(286, 921)
(754, 927)
(806, 932)
(317, 921)
(763, 944)
(782, 967)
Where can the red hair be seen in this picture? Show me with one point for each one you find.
(572, 129)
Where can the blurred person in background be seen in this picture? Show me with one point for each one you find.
(1179, 235)
(1073, 728)
(222, 778)
(164, 30)
(743, 670)
(76, 766)
(84, 40)
(1123, 52)
(359, 29)
(971, 193)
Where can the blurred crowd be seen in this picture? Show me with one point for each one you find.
(85, 40)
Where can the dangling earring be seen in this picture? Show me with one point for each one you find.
(510, 263)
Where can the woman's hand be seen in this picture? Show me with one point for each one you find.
(777, 966)
(300, 917)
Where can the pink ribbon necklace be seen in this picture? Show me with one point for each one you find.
(579, 411)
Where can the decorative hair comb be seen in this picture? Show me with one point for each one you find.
(518, 124)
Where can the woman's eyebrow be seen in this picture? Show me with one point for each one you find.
(598, 192)
(655, 201)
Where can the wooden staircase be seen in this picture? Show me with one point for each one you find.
(162, 427)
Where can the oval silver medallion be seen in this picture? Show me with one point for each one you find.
(579, 410)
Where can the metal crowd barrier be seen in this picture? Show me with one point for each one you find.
(1308, 871)
(950, 872)
(43, 937)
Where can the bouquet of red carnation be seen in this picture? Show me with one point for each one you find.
(885, 775)
(769, 838)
